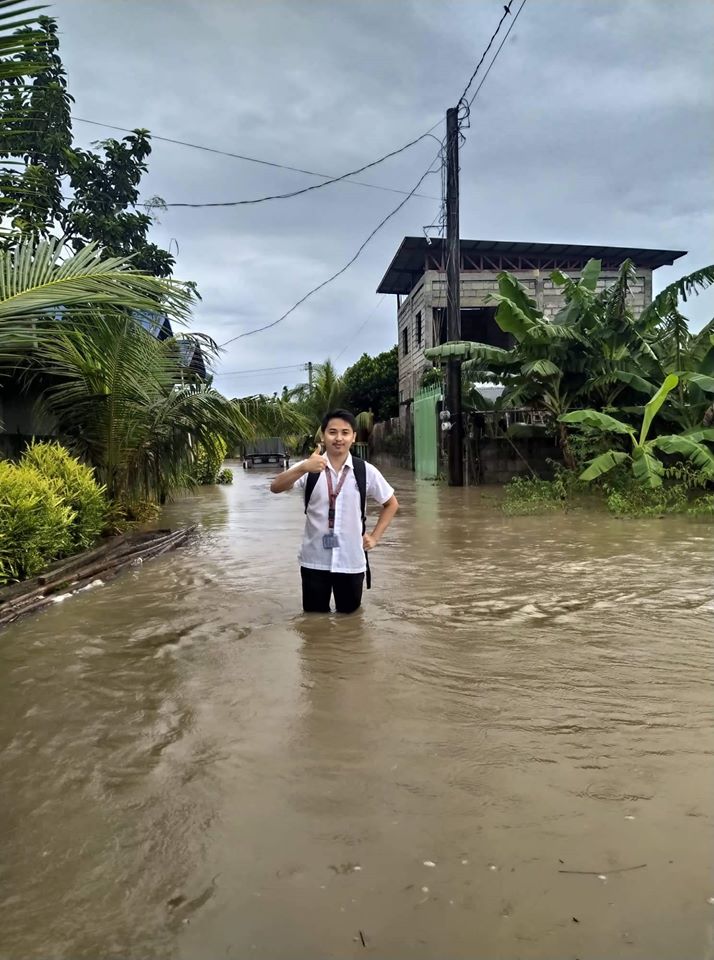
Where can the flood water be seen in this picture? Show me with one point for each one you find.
(192, 768)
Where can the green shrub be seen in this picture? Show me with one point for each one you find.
(76, 485)
(639, 501)
(626, 497)
(702, 506)
(35, 523)
(208, 461)
(125, 514)
(225, 476)
(529, 495)
(688, 476)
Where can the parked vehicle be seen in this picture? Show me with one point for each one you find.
(267, 451)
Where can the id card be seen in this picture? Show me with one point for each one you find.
(330, 541)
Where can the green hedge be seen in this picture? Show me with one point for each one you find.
(50, 507)
(35, 522)
(77, 487)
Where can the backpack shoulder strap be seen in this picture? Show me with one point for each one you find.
(360, 469)
(312, 479)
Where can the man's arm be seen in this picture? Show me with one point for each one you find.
(389, 509)
(287, 479)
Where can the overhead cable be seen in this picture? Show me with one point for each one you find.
(241, 373)
(495, 56)
(506, 13)
(349, 263)
(280, 166)
(310, 293)
(361, 327)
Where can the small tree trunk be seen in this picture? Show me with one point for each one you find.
(568, 456)
(708, 419)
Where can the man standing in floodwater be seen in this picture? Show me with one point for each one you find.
(333, 556)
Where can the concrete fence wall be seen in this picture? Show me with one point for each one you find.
(391, 445)
(487, 459)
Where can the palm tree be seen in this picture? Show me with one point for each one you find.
(325, 393)
(38, 281)
(117, 397)
(121, 398)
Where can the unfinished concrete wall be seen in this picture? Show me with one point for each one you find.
(414, 331)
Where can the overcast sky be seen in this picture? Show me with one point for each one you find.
(594, 126)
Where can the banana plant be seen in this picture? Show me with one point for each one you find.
(647, 468)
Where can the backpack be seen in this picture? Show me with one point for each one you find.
(360, 470)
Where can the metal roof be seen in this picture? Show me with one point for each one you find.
(408, 263)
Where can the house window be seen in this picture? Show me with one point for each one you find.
(405, 340)
(418, 328)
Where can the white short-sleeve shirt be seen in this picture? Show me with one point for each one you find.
(349, 556)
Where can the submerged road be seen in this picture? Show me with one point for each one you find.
(506, 754)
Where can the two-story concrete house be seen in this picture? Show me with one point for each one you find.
(417, 276)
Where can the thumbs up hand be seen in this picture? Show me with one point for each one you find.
(315, 463)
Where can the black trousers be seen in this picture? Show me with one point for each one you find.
(318, 585)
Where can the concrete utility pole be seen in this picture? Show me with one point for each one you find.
(453, 300)
(309, 376)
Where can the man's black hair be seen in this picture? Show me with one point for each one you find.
(339, 415)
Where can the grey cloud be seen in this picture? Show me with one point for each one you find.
(595, 125)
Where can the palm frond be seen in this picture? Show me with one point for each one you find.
(37, 278)
(666, 302)
(18, 36)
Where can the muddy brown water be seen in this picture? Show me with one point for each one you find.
(192, 768)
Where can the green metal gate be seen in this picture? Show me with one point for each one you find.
(426, 438)
(361, 450)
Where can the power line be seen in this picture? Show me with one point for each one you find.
(269, 163)
(361, 327)
(507, 11)
(349, 263)
(501, 45)
(274, 323)
(315, 186)
(327, 180)
(289, 366)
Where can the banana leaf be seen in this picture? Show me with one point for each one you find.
(652, 407)
(647, 469)
(700, 455)
(603, 464)
(542, 367)
(597, 421)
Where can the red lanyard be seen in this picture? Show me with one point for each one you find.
(333, 494)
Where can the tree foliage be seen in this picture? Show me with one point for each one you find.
(49, 186)
(121, 399)
(372, 383)
(325, 393)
